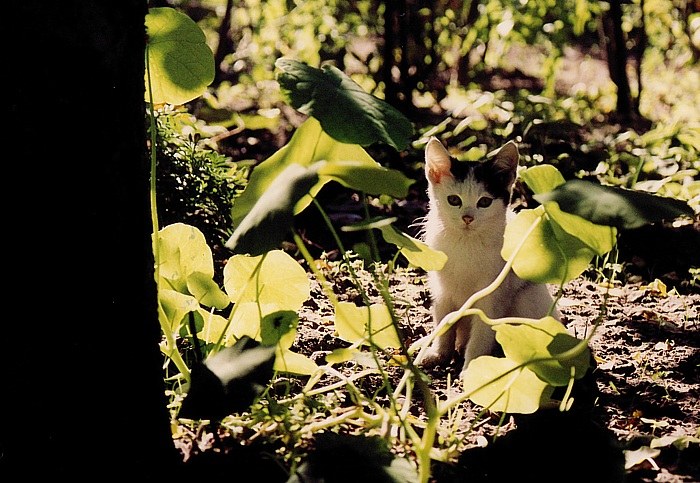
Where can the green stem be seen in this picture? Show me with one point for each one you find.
(172, 353)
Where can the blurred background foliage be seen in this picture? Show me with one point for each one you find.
(603, 90)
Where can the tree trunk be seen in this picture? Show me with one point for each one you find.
(85, 398)
(225, 46)
(616, 50)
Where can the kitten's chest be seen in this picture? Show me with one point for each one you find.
(470, 258)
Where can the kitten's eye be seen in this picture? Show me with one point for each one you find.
(484, 202)
(454, 200)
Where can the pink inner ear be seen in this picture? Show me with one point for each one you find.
(434, 176)
(438, 171)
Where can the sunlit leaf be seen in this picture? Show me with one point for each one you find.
(640, 455)
(549, 254)
(175, 306)
(180, 62)
(246, 319)
(273, 278)
(341, 355)
(346, 112)
(214, 326)
(370, 178)
(542, 339)
(206, 290)
(270, 218)
(356, 324)
(183, 251)
(416, 252)
(275, 326)
(308, 145)
(495, 383)
(679, 441)
(600, 238)
(293, 363)
(613, 206)
(542, 178)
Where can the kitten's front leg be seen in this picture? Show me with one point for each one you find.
(442, 348)
(482, 340)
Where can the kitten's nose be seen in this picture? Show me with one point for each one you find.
(467, 219)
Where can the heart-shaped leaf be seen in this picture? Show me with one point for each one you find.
(540, 340)
(416, 252)
(500, 385)
(309, 144)
(180, 62)
(613, 206)
(274, 278)
(346, 112)
(549, 253)
(355, 324)
(270, 219)
(186, 264)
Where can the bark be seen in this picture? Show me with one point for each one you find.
(225, 46)
(616, 50)
(83, 396)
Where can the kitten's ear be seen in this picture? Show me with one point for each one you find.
(505, 161)
(437, 161)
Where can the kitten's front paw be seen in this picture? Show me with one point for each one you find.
(434, 357)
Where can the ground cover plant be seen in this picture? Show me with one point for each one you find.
(243, 359)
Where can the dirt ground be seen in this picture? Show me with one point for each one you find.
(642, 394)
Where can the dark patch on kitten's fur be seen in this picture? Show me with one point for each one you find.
(497, 182)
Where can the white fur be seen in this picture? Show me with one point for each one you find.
(474, 261)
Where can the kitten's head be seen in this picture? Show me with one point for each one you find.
(468, 194)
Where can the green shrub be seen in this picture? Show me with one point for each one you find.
(195, 184)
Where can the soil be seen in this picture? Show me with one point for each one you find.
(644, 386)
(635, 417)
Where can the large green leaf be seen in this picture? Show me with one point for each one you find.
(346, 112)
(500, 385)
(355, 324)
(370, 178)
(308, 145)
(293, 363)
(270, 219)
(274, 278)
(180, 62)
(599, 238)
(175, 306)
(186, 264)
(613, 206)
(276, 325)
(416, 252)
(549, 253)
(542, 178)
(538, 341)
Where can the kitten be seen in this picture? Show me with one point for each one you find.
(468, 209)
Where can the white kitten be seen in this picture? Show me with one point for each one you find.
(468, 208)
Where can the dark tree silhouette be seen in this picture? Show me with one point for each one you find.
(616, 54)
(83, 389)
